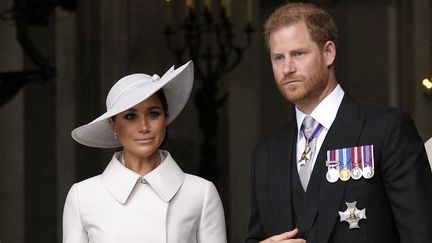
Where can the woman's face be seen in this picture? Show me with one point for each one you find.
(141, 129)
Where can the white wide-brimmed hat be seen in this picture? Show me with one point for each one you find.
(131, 90)
(428, 146)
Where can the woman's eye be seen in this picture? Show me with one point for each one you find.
(154, 114)
(130, 116)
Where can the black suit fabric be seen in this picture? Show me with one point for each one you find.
(397, 198)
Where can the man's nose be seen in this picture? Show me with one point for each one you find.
(289, 66)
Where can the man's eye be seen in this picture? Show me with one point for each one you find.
(299, 54)
(278, 57)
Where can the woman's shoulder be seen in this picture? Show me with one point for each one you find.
(88, 184)
(197, 192)
(90, 180)
(198, 185)
(189, 178)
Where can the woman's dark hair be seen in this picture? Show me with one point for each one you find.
(161, 95)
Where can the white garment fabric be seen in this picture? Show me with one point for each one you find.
(166, 205)
(428, 146)
(324, 114)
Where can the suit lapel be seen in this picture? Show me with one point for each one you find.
(344, 132)
(279, 166)
(322, 196)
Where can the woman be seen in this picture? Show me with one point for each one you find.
(143, 195)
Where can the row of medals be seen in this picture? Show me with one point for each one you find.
(333, 172)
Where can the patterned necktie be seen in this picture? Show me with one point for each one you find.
(310, 131)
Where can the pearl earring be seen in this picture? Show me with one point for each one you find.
(115, 136)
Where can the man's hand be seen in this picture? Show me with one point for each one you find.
(287, 237)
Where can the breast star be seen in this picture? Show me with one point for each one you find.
(352, 215)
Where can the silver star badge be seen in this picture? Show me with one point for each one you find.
(352, 215)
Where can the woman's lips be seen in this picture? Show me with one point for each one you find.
(143, 140)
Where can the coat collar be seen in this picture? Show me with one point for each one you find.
(166, 179)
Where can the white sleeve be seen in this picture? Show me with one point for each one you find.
(73, 230)
(211, 228)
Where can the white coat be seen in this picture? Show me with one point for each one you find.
(166, 205)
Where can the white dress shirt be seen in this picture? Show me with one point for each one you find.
(121, 206)
(325, 114)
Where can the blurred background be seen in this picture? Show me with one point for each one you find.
(58, 59)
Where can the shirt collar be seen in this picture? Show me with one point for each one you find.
(166, 179)
(326, 111)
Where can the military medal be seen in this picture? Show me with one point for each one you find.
(368, 172)
(356, 172)
(346, 163)
(352, 215)
(305, 155)
(307, 152)
(332, 174)
(345, 173)
(368, 169)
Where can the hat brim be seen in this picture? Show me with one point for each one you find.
(428, 146)
(177, 86)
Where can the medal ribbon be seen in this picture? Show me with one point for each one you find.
(336, 158)
(354, 156)
(363, 156)
(348, 157)
(313, 135)
(359, 158)
(367, 155)
(331, 159)
(344, 161)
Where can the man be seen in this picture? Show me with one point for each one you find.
(341, 171)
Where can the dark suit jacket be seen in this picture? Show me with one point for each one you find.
(398, 198)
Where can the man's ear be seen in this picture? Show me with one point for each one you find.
(329, 52)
